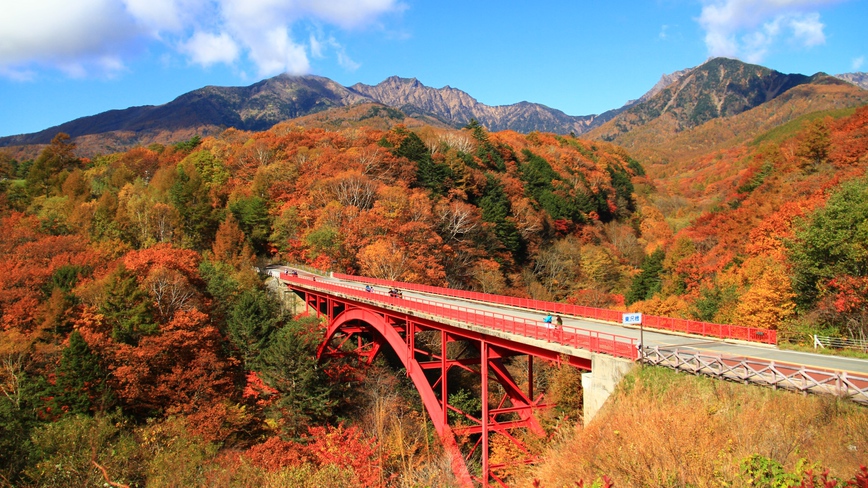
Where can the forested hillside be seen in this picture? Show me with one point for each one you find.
(767, 233)
(140, 346)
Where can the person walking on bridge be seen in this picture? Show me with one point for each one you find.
(559, 327)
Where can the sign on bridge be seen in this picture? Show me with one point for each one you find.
(632, 318)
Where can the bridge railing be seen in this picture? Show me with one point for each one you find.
(722, 331)
(765, 372)
(590, 340)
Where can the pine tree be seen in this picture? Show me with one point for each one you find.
(80, 380)
(495, 209)
(289, 364)
(647, 282)
(128, 308)
(251, 322)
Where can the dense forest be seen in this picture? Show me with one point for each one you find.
(141, 345)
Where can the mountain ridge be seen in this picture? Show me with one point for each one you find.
(212, 109)
(721, 88)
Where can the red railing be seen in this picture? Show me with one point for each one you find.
(590, 340)
(722, 331)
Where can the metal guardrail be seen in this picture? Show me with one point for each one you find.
(840, 343)
(767, 373)
(724, 331)
(589, 340)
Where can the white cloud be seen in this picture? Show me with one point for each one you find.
(857, 63)
(86, 36)
(345, 61)
(58, 32)
(208, 49)
(319, 47)
(750, 28)
(316, 47)
(274, 52)
(808, 29)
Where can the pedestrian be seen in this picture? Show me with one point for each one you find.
(548, 321)
(559, 321)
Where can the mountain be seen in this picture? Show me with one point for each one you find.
(664, 82)
(210, 109)
(720, 89)
(858, 79)
(259, 106)
(458, 108)
(672, 147)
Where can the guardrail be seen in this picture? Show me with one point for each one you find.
(840, 343)
(590, 340)
(722, 331)
(767, 373)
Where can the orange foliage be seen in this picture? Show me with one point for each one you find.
(28, 259)
(344, 447)
(185, 261)
(180, 369)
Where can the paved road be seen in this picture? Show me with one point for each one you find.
(662, 339)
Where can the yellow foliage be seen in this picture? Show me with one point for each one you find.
(671, 306)
(769, 300)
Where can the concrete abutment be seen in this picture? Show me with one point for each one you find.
(600, 383)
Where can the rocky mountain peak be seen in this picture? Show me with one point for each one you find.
(858, 79)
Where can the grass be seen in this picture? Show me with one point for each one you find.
(793, 127)
(663, 428)
(849, 353)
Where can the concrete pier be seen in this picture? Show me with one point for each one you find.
(600, 383)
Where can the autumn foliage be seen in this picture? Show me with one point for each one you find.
(135, 273)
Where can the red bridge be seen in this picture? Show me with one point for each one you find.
(442, 336)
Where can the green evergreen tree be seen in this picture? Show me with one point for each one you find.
(485, 150)
(429, 174)
(252, 216)
(18, 418)
(128, 308)
(80, 380)
(190, 196)
(495, 209)
(289, 365)
(647, 282)
(623, 186)
(251, 321)
(220, 284)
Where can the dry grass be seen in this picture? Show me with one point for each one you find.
(668, 429)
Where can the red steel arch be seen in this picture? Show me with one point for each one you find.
(352, 317)
(376, 321)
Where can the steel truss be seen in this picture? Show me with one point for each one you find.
(364, 330)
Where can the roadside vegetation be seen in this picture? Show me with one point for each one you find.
(663, 428)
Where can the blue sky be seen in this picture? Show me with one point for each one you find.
(60, 60)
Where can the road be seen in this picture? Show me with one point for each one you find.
(662, 339)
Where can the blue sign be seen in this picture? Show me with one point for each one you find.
(632, 318)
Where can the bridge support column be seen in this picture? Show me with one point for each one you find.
(600, 383)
